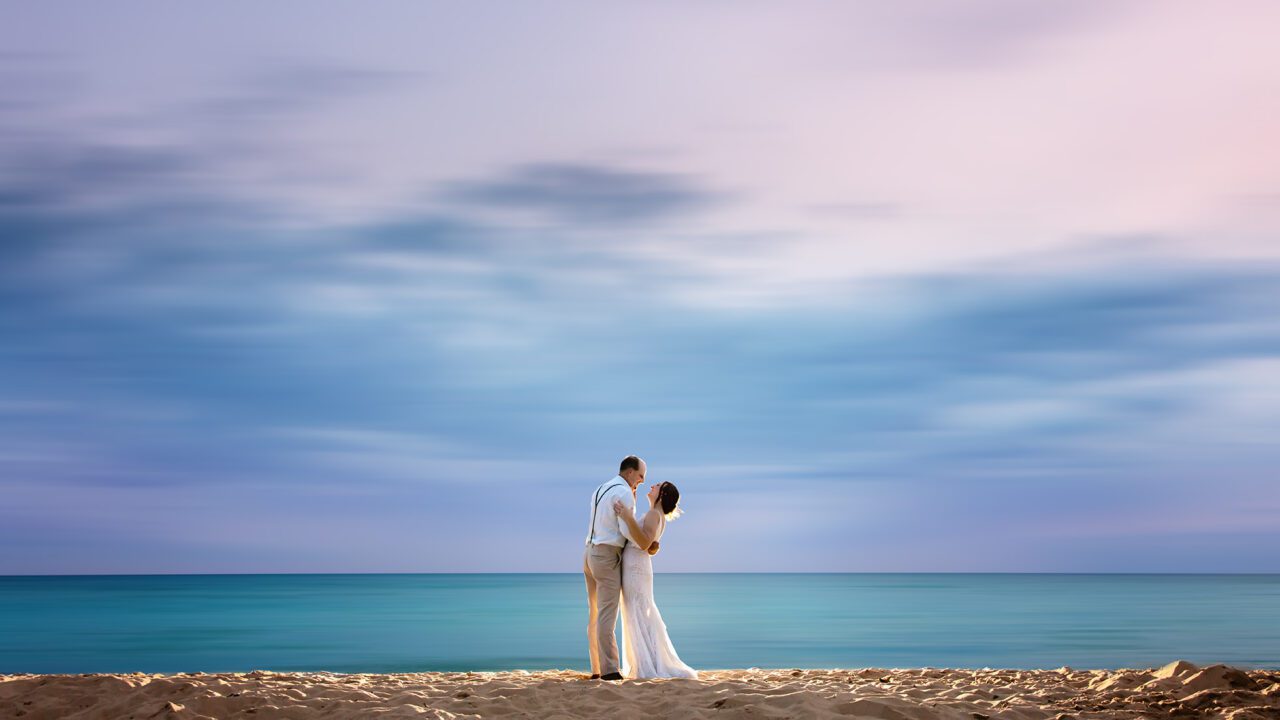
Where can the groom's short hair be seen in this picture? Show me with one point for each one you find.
(630, 462)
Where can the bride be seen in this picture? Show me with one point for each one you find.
(647, 651)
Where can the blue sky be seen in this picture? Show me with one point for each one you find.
(989, 287)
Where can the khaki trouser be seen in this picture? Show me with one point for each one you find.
(602, 567)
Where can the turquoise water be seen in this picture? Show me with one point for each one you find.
(403, 623)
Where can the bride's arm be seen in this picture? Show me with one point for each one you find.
(642, 538)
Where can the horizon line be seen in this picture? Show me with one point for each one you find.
(679, 572)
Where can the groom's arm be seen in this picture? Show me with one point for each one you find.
(624, 494)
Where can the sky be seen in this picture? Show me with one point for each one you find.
(983, 286)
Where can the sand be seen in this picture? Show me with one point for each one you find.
(1178, 690)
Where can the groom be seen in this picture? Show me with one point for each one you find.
(602, 564)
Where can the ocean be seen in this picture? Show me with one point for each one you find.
(411, 623)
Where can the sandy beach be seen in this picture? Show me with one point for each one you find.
(1178, 690)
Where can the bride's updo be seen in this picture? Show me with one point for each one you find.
(668, 498)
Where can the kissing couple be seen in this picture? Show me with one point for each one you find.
(617, 565)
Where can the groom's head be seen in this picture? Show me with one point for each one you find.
(632, 470)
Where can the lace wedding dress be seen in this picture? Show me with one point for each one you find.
(647, 651)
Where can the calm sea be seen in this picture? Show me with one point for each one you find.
(403, 623)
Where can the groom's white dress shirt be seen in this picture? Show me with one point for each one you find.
(607, 528)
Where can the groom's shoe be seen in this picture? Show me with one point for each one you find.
(611, 676)
(595, 676)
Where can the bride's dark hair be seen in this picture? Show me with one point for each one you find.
(668, 496)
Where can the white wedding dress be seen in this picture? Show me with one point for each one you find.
(647, 651)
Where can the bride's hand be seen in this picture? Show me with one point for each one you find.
(618, 507)
(653, 548)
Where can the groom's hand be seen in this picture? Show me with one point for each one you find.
(653, 548)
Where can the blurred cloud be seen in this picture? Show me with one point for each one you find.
(59, 174)
(981, 34)
(585, 193)
(279, 86)
(517, 363)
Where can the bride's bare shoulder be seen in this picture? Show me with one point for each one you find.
(653, 521)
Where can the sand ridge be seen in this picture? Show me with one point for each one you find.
(1178, 690)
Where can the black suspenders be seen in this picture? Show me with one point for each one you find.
(600, 496)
